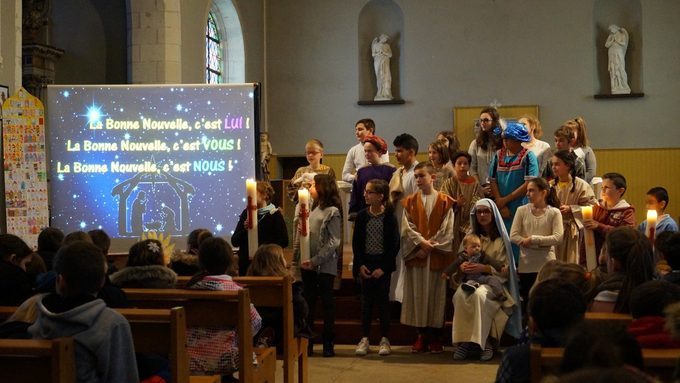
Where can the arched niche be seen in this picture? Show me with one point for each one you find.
(626, 14)
(379, 17)
(232, 37)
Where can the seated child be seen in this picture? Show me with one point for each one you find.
(657, 199)
(49, 241)
(647, 304)
(15, 283)
(671, 253)
(145, 268)
(269, 262)
(214, 350)
(103, 342)
(472, 253)
(185, 263)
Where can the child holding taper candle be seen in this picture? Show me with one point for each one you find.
(657, 200)
(612, 211)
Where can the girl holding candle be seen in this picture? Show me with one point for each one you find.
(612, 211)
(375, 244)
(537, 228)
(572, 193)
(271, 227)
(318, 272)
(314, 153)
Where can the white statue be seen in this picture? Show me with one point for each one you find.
(381, 63)
(617, 43)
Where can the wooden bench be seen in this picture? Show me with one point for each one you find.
(277, 292)
(30, 360)
(216, 308)
(545, 361)
(624, 319)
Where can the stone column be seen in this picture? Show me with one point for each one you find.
(155, 41)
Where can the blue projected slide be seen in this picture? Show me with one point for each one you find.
(129, 159)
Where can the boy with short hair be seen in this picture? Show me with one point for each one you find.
(612, 211)
(427, 233)
(657, 199)
(402, 184)
(104, 348)
(356, 159)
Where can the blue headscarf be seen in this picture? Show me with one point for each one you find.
(516, 131)
(514, 325)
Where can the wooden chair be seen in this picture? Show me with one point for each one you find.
(658, 362)
(277, 292)
(29, 360)
(216, 308)
(624, 319)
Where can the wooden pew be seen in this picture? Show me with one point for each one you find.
(277, 292)
(624, 319)
(544, 361)
(215, 308)
(30, 360)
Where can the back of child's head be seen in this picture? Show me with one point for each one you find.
(633, 253)
(406, 141)
(82, 266)
(651, 298)
(668, 244)
(327, 190)
(148, 252)
(101, 240)
(618, 180)
(427, 166)
(268, 261)
(76, 236)
(368, 124)
(556, 305)
(600, 344)
(194, 239)
(50, 239)
(215, 256)
(568, 272)
(10, 245)
(660, 194)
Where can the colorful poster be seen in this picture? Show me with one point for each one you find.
(23, 140)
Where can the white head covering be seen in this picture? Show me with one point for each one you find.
(514, 326)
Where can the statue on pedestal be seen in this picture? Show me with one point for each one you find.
(382, 53)
(265, 155)
(617, 43)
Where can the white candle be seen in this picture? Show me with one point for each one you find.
(251, 208)
(303, 223)
(591, 256)
(651, 225)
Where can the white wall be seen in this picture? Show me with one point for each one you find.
(461, 53)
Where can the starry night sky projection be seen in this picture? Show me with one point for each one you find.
(190, 177)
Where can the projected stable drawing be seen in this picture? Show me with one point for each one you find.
(165, 159)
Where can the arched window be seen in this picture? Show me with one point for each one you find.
(213, 52)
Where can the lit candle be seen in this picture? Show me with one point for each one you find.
(651, 225)
(251, 208)
(303, 223)
(591, 256)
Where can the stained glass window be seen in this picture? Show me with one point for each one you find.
(213, 52)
